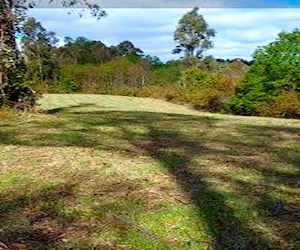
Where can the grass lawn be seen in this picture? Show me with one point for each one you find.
(111, 172)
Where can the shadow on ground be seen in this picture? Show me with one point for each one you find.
(31, 236)
(178, 142)
(48, 219)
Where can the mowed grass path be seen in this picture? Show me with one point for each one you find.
(110, 172)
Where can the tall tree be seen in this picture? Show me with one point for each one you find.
(11, 15)
(127, 48)
(193, 34)
(84, 51)
(38, 50)
(154, 61)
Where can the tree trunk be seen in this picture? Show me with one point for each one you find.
(8, 51)
(1, 48)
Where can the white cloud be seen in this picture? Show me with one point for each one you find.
(243, 18)
(239, 31)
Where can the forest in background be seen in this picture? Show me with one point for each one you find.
(267, 86)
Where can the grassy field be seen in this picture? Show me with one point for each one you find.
(110, 172)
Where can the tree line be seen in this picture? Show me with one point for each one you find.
(268, 86)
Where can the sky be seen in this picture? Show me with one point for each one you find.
(239, 31)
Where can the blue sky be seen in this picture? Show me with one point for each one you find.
(239, 30)
(181, 3)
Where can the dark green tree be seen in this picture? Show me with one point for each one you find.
(154, 61)
(126, 48)
(193, 34)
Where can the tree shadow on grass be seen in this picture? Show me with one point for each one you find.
(163, 140)
(224, 228)
(176, 152)
(45, 218)
(276, 194)
(37, 233)
(273, 137)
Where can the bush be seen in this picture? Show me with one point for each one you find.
(286, 105)
(126, 91)
(195, 78)
(166, 75)
(206, 90)
(209, 99)
(255, 93)
(105, 78)
(4, 113)
(68, 85)
(160, 92)
(274, 71)
(18, 96)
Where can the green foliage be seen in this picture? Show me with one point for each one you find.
(193, 34)
(202, 89)
(87, 77)
(167, 75)
(195, 78)
(12, 15)
(276, 69)
(84, 51)
(206, 63)
(14, 92)
(87, 66)
(126, 48)
(42, 70)
(154, 61)
(108, 76)
(68, 85)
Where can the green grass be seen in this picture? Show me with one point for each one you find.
(111, 172)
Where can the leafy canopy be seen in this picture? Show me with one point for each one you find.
(12, 68)
(192, 35)
(38, 51)
(275, 69)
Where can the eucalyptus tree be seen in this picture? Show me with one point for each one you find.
(193, 34)
(84, 51)
(127, 48)
(39, 55)
(12, 15)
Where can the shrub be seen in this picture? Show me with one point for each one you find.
(207, 90)
(166, 75)
(195, 78)
(209, 99)
(126, 91)
(18, 96)
(286, 105)
(4, 113)
(274, 71)
(160, 92)
(68, 85)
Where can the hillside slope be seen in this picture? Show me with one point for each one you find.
(111, 172)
